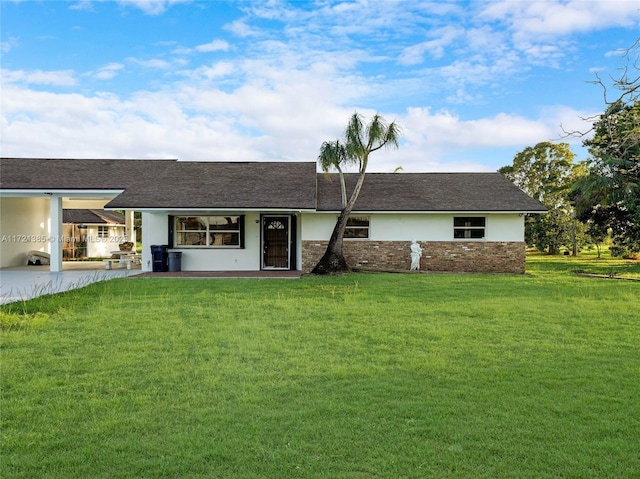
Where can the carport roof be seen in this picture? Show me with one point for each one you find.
(173, 184)
(90, 216)
(166, 184)
(74, 174)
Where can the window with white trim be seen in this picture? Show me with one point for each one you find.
(208, 231)
(357, 227)
(469, 227)
(103, 231)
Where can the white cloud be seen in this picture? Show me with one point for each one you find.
(184, 123)
(442, 141)
(214, 46)
(570, 125)
(153, 63)
(9, 44)
(107, 72)
(483, 38)
(556, 18)
(149, 7)
(461, 96)
(210, 72)
(258, 122)
(545, 54)
(443, 38)
(445, 128)
(40, 77)
(152, 7)
(86, 5)
(241, 28)
(478, 70)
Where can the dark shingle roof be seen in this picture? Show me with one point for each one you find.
(92, 217)
(168, 184)
(225, 185)
(428, 192)
(171, 183)
(75, 174)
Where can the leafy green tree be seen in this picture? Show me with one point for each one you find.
(609, 195)
(596, 230)
(547, 172)
(359, 142)
(333, 155)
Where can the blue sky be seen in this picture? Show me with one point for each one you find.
(470, 83)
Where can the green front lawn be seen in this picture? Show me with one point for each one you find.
(586, 262)
(358, 376)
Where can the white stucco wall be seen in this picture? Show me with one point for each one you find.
(102, 247)
(419, 226)
(318, 226)
(155, 232)
(24, 226)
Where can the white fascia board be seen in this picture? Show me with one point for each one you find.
(115, 225)
(437, 212)
(217, 210)
(65, 193)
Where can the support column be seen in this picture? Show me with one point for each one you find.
(129, 227)
(55, 233)
(146, 242)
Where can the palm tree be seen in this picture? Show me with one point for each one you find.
(359, 142)
(333, 154)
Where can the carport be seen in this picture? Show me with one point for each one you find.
(33, 193)
(32, 221)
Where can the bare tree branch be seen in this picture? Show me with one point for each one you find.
(626, 86)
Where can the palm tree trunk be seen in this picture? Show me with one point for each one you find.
(333, 260)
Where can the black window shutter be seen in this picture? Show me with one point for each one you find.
(241, 225)
(170, 229)
(294, 241)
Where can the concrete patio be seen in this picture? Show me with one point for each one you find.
(27, 282)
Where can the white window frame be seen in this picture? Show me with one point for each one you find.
(103, 232)
(210, 234)
(352, 228)
(468, 228)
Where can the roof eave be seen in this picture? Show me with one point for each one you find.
(155, 209)
(32, 192)
(470, 212)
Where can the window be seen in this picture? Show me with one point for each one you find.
(469, 227)
(357, 227)
(208, 231)
(103, 231)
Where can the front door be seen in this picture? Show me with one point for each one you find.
(276, 233)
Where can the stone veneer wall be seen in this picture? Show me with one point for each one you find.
(445, 256)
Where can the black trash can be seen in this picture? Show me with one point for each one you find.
(175, 261)
(159, 257)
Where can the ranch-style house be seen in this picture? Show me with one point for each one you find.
(250, 216)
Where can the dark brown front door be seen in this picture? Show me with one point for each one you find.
(275, 242)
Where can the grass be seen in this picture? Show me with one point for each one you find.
(363, 375)
(586, 262)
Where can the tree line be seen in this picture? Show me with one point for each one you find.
(596, 199)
